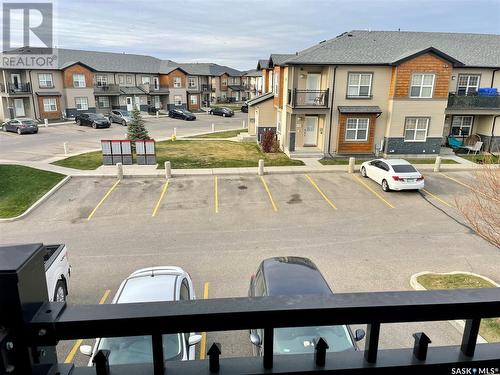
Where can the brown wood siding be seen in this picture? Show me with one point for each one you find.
(167, 80)
(278, 100)
(49, 115)
(356, 147)
(164, 80)
(427, 63)
(77, 69)
(193, 106)
(392, 86)
(222, 78)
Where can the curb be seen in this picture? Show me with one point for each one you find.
(458, 324)
(46, 196)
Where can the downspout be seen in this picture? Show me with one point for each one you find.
(493, 77)
(492, 132)
(32, 93)
(331, 113)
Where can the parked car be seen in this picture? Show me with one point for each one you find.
(290, 276)
(153, 284)
(183, 114)
(95, 120)
(244, 108)
(120, 116)
(393, 174)
(57, 272)
(20, 126)
(222, 111)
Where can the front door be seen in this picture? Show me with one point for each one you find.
(137, 103)
(312, 85)
(311, 131)
(130, 105)
(16, 81)
(19, 107)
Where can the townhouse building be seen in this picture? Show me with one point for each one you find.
(252, 82)
(89, 81)
(383, 92)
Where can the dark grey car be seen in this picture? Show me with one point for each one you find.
(20, 126)
(120, 116)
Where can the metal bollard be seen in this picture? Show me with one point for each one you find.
(119, 171)
(213, 127)
(168, 170)
(65, 145)
(261, 167)
(437, 164)
(46, 122)
(243, 124)
(352, 162)
(157, 114)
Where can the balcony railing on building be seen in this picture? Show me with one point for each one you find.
(111, 89)
(205, 87)
(31, 327)
(309, 98)
(473, 101)
(16, 88)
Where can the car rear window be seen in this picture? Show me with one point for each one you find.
(404, 168)
(28, 122)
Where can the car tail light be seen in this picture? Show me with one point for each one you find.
(420, 178)
(397, 178)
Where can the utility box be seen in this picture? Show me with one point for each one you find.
(116, 151)
(145, 152)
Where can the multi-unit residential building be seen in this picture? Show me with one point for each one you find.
(89, 81)
(382, 92)
(252, 82)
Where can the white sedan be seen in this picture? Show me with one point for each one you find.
(393, 174)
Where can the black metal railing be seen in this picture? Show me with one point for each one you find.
(33, 328)
(18, 88)
(310, 98)
(110, 88)
(205, 87)
(473, 102)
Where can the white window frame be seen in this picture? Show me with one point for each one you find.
(177, 99)
(191, 82)
(146, 80)
(461, 126)
(415, 130)
(177, 82)
(129, 80)
(358, 85)
(49, 105)
(421, 84)
(468, 86)
(356, 122)
(101, 80)
(43, 82)
(79, 80)
(195, 97)
(100, 98)
(223, 82)
(82, 103)
(121, 79)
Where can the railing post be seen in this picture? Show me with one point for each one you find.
(352, 162)
(158, 359)
(268, 347)
(437, 164)
(371, 347)
(469, 338)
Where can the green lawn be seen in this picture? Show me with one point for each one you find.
(490, 328)
(195, 154)
(223, 134)
(345, 161)
(431, 161)
(21, 186)
(482, 159)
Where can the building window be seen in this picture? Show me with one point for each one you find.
(121, 80)
(422, 85)
(357, 129)
(49, 105)
(177, 100)
(191, 82)
(101, 80)
(45, 80)
(467, 84)
(359, 85)
(146, 80)
(129, 80)
(79, 80)
(177, 82)
(416, 129)
(193, 99)
(224, 82)
(82, 103)
(103, 101)
(461, 125)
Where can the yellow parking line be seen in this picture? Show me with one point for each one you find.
(103, 199)
(78, 342)
(319, 191)
(216, 195)
(437, 198)
(275, 208)
(467, 186)
(163, 192)
(373, 191)
(203, 343)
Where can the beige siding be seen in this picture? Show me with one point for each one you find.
(71, 94)
(56, 79)
(484, 80)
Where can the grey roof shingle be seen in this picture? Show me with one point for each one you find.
(253, 73)
(359, 109)
(261, 98)
(263, 64)
(387, 47)
(279, 58)
(208, 69)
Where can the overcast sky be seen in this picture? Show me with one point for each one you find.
(238, 33)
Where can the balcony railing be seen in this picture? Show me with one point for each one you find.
(205, 87)
(19, 88)
(31, 327)
(473, 102)
(309, 98)
(107, 89)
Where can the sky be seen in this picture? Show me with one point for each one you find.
(238, 33)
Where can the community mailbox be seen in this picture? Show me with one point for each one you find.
(145, 151)
(116, 151)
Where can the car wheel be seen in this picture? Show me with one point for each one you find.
(78, 122)
(35, 132)
(4, 128)
(363, 171)
(60, 292)
(385, 186)
(124, 123)
(94, 125)
(19, 131)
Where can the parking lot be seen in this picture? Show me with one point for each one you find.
(48, 143)
(219, 228)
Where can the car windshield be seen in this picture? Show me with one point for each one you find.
(96, 116)
(404, 168)
(299, 340)
(124, 113)
(138, 349)
(186, 112)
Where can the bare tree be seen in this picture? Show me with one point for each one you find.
(481, 207)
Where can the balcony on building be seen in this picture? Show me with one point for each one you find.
(484, 100)
(154, 88)
(308, 98)
(107, 89)
(207, 88)
(16, 89)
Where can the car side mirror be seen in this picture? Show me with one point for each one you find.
(194, 339)
(255, 339)
(86, 350)
(359, 334)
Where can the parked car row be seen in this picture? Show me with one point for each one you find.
(275, 276)
(20, 126)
